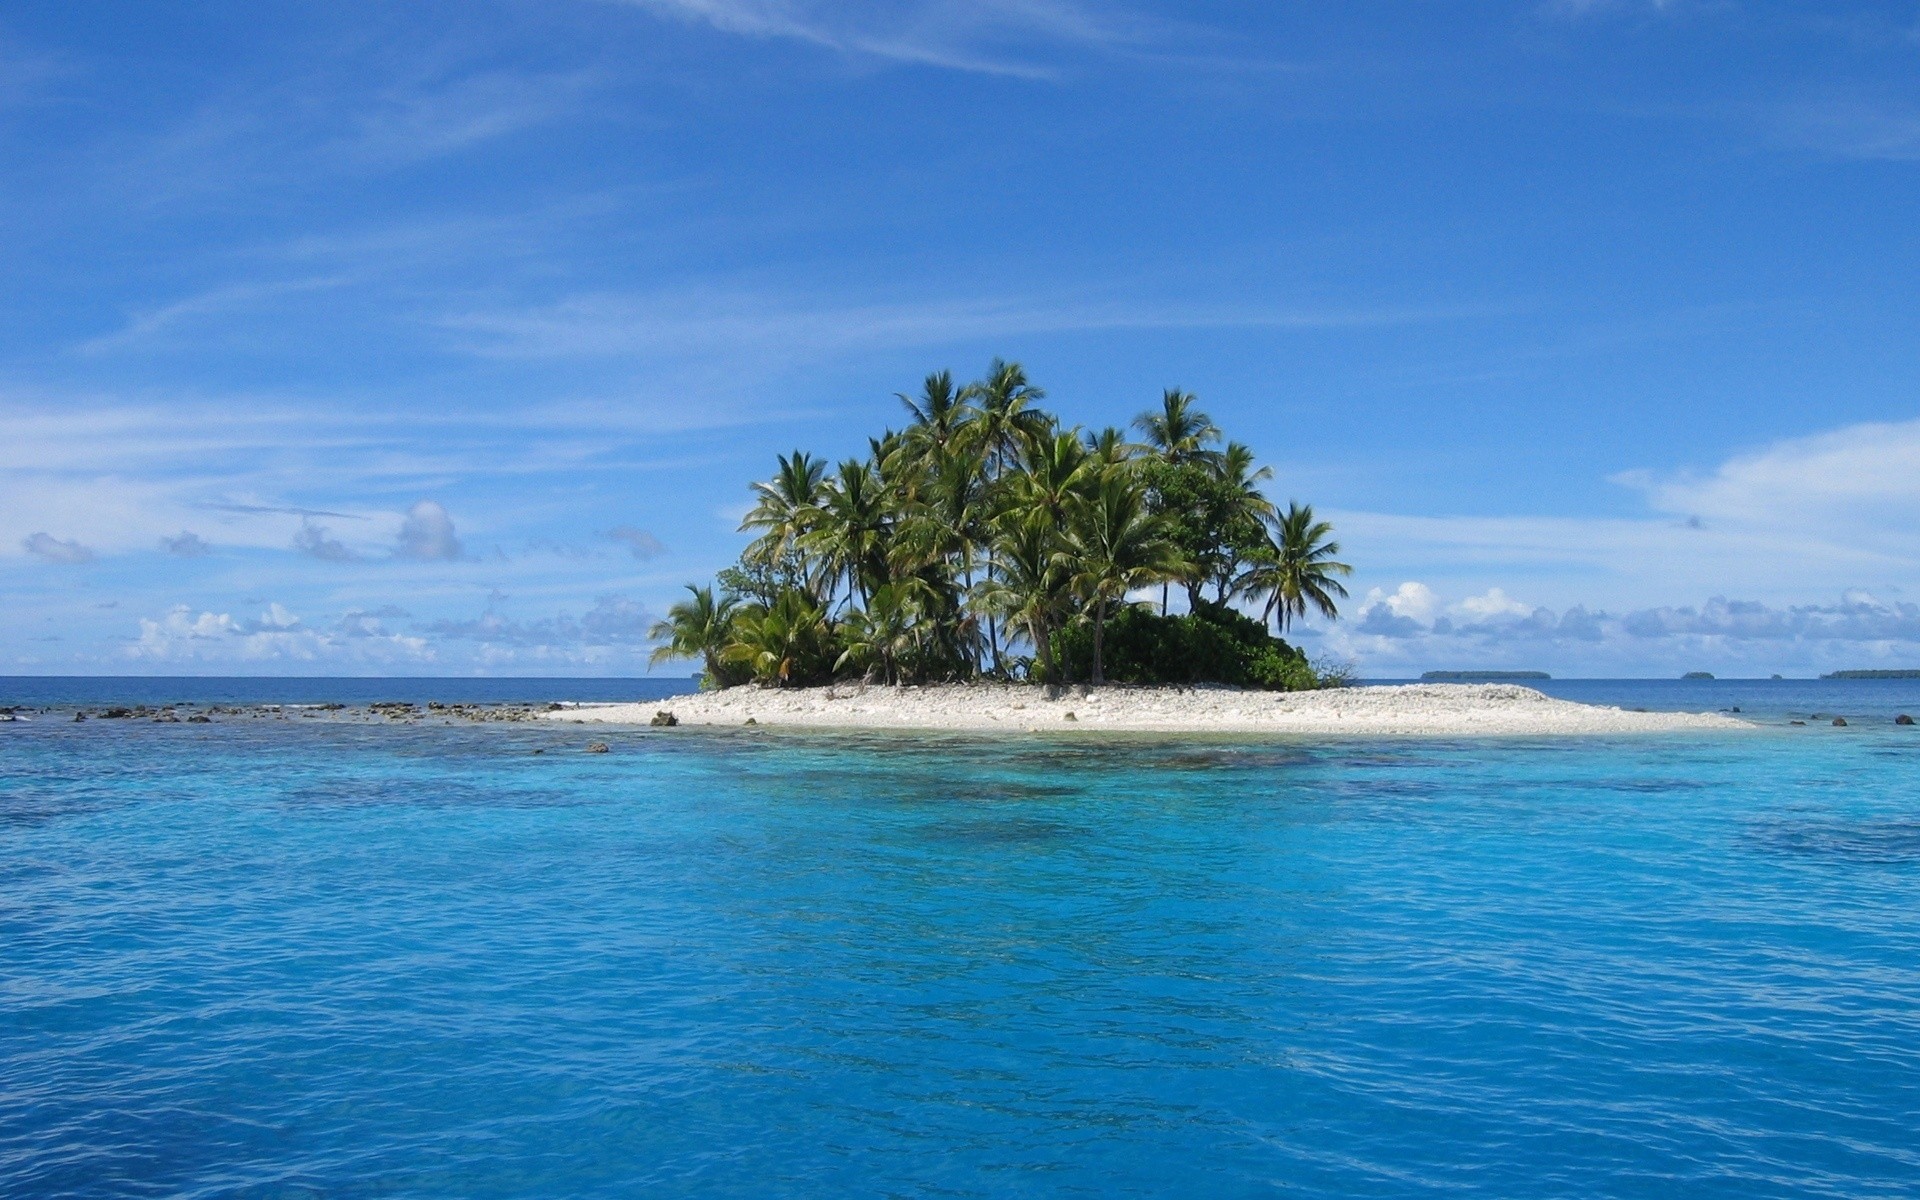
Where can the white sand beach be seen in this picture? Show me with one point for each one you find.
(1409, 709)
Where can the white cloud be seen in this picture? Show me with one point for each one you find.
(181, 635)
(1495, 603)
(1860, 472)
(427, 534)
(47, 548)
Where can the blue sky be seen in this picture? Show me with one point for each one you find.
(444, 338)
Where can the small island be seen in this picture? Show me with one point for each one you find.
(988, 541)
(989, 568)
(1483, 676)
(1698, 675)
(1873, 674)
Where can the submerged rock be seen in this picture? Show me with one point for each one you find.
(1839, 720)
(596, 748)
(664, 718)
(1903, 719)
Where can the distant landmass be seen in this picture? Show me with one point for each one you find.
(1872, 675)
(1481, 676)
(1698, 675)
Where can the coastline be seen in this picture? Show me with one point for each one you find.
(1430, 709)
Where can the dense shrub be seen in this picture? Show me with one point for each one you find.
(1211, 644)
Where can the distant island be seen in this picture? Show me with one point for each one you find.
(1914, 674)
(1698, 675)
(1481, 676)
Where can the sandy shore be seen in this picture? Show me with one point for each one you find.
(1431, 708)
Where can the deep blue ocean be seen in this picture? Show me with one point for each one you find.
(307, 958)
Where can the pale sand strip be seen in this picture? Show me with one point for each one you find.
(1428, 708)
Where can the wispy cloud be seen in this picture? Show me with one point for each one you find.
(677, 325)
(641, 544)
(432, 118)
(996, 37)
(225, 302)
(1856, 127)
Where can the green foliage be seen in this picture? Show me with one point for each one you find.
(700, 627)
(763, 580)
(1211, 644)
(984, 536)
(789, 644)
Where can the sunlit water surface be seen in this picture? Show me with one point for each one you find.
(297, 958)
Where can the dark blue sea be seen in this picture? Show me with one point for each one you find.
(282, 957)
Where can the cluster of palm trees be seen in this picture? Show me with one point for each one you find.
(982, 529)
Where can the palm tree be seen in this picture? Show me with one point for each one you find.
(1008, 421)
(880, 634)
(940, 415)
(1296, 569)
(1110, 447)
(779, 642)
(1054, 471)
(1179, 432)
(1116, 546)
(1007, 416)
(700, 627)
(849, 530)
(785, 506)
(1243, 513)
(1032, 590)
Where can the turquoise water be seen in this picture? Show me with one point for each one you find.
(294, 958)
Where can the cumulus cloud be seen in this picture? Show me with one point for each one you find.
(1493, 604)
(183, 635)
(186, 544)
(47, 548)
(312, 541)
(641, 544)
(427, 535)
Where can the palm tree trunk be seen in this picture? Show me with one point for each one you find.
(1099, 631)
(1164, 589)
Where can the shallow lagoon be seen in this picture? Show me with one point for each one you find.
(302, 958)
